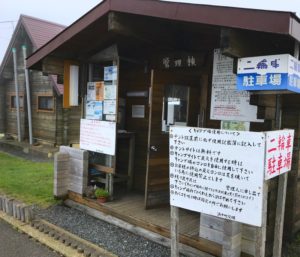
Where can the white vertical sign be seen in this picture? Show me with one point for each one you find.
(279, 151)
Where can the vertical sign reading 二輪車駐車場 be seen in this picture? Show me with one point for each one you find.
(218, 172)
(279, 152)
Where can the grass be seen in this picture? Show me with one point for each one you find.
(27, 181)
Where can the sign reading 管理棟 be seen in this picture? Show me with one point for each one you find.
(279, 151)
(218, 172)
(274, 72)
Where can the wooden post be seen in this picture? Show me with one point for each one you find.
(282, 183)
(260, 244)
(280, 209)
(174, 231)
(232, 239)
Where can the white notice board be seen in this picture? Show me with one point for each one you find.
(98, 136)
(279, 151)
(227, 103)
(218, 172)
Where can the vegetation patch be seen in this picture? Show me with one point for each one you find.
(27, 181)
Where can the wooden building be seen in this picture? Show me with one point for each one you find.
(48, 118)
(164, 52)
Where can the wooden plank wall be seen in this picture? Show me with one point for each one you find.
(291, 119)
(136, 80)
(2, 108)
(43, 122)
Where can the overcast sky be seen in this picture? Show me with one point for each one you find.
(67, 11)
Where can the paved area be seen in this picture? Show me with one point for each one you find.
(13, 244)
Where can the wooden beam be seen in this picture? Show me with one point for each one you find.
(237, 43)
(134, 27)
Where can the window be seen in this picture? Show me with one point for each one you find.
(45, 103)
(13, 102)
(175, 106)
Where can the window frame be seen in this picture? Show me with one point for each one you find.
(12, 105)
(44, 109)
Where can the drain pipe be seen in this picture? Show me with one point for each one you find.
(17, 93)
(28, 96)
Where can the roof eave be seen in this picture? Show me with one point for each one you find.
(277, 22)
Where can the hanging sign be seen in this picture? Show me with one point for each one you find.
(98, 136)
(279, 151)
(273, 72)
(227, 103)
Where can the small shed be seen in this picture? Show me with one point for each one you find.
(46, 91)
(157, 60)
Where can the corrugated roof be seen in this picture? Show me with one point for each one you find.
(40, 31)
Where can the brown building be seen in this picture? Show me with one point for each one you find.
(164, 53)
(45, 91)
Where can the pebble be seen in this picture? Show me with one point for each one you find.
(108, 236)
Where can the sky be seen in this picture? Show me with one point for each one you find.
(67, 11)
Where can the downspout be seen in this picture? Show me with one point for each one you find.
(28, 96)
(17, 93)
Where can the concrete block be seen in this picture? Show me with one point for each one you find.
(74, 152)
(9, 206)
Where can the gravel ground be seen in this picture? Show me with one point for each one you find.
(110, 237)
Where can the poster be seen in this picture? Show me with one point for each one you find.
(279, 151)
(218, 172)
(110, 91)
(109, 107)
(98, 136)
(94, 110)
(110, 73)
(227, 103)
(95, 91)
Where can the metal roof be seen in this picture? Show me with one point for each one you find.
(39, 32)
(284, 23)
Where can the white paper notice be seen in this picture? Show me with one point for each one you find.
(218, 172)
(227, 103)
(109, 107)
(98, 136)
